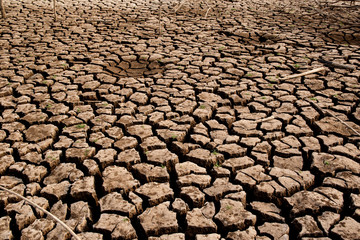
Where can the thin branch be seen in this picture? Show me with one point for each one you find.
(324, 112)
(2, 9)
(304, 73)
(42, 209)
(336, 65)
(265, 119)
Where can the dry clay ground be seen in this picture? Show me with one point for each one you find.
(123, 134)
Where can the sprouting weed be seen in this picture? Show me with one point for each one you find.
(214, 152)
(48, 106)
(228, 207)
(263, 97)
(217, 164)
(314, 99)
(296, 66)
(202, 106)
(86, 153)
(326, 163)
(174, 136)
(80, 126)
(125, 219)
(162, 166)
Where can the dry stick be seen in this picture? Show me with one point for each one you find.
(42, 209)
(304, 73)
(323, 111)
(54, 8)
(2, 9)
(265, 119)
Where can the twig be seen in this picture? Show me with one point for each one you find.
(304, 73)
(42, 209)
(265, 119)
(324, 112)
(336, 65)
(2, 9)
(54, 8)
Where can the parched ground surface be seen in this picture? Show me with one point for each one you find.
(125, 134)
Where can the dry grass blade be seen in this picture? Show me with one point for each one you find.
(42, 209)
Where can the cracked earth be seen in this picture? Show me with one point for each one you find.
(194, 134)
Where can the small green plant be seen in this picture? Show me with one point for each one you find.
(86, 153)
(162, 166)
(296, 66)
(314, 99)
(146, 152)
(54, 76)
(214, 152)
(95, 140)
(78, 110)
(221, 48)
(217, 164)
(125, 219)
(326, 163)
(202, 106)
(44, 82)
(228, 207)
(270, 84)
(48, 106)
(248, 75)
(263, 97)
(174, 136)
(80, 126)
